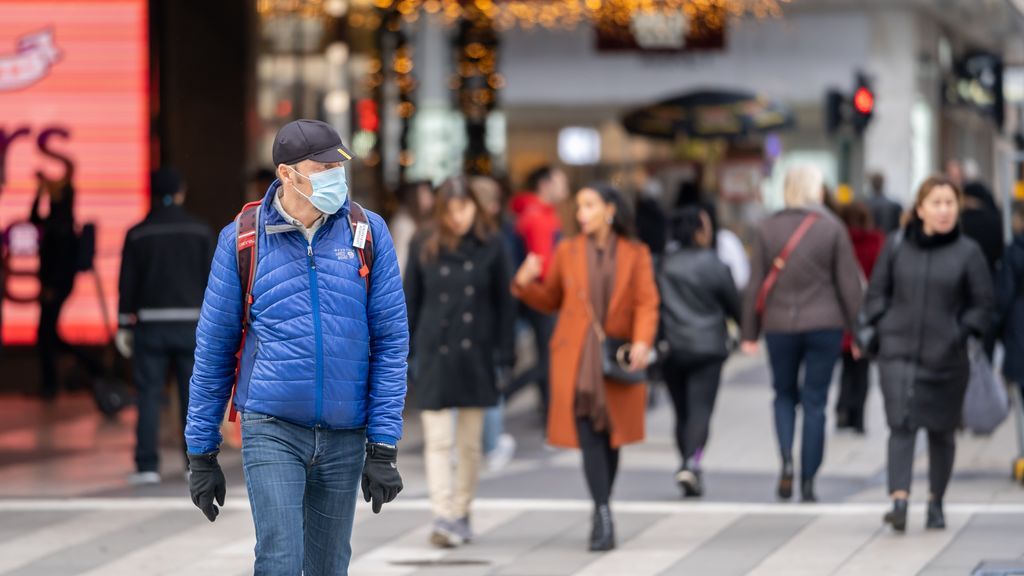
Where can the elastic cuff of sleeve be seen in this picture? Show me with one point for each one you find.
(389, 440)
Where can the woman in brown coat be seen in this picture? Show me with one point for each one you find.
(601, 278)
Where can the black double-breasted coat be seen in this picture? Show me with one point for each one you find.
(461, 317)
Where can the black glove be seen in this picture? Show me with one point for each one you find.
(381, 481)
(206, 483)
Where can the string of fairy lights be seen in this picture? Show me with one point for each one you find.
(477, 81)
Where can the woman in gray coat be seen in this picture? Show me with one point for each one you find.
(817, 295)
(930, 291)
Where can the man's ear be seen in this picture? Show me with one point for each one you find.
(282, 173)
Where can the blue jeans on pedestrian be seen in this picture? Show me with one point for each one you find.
(494, 426)
(303, 484)
(817, 351)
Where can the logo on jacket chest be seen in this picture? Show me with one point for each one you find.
(344, 253)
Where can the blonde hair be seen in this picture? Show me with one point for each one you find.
(804, 186)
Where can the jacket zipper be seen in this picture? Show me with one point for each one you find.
(920, 333)
(317, 336)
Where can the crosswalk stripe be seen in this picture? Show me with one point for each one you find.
(891, 554)
(40, 544)
(821, 547)
(660, 546)
(164, 558)
(522, 505)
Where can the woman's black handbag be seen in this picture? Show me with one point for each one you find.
(615, 355)
(615, 361)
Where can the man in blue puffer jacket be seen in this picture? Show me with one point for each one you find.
(321, 382)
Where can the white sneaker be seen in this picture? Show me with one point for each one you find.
(144, 478)
(445, 535)
(502, 453)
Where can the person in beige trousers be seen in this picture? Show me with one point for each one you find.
(461, 318)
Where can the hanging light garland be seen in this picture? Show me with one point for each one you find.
(567, 14)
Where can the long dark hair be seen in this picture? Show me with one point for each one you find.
(439, 235)
(623, 223)
(688, 222)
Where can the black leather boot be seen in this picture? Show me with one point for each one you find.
(602, 537)
(807, 491)
(785, 490)
(936, 518)
(897, 517)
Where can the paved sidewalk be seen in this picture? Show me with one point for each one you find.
(65, 507)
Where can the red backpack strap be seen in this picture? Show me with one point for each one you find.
(779, 263)
(362, 240)
(246, 246)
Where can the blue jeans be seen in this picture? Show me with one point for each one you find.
(303, 484)
(494, 426)
(817, 351)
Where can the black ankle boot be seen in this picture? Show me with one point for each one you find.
(807, 491)
(602, 537)
(785, 490)
(936, 518)
(897, 517)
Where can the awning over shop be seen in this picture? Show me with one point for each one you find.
(709, 114)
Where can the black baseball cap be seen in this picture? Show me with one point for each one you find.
(309, 140)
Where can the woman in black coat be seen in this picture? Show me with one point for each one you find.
(698, 296)
(461, 319)
(930, 291)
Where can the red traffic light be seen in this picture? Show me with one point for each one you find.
(863, 101)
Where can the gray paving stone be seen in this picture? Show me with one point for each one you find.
(109, 547)
(740, 547)
(985, 537)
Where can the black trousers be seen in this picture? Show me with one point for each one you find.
(543, 326)
(51, 345)
(853, 390)
(941, 453)
(600, 461)
(693, 386)
(157, 347)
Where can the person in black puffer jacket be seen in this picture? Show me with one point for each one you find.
(931, 290)
(698, 295)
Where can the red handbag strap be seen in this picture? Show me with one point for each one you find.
(779, 263)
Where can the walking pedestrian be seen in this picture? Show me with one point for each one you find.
(602, 285)
(462, 319)
(1010, 300)
(164, 267)
(540, 227)
(58, 267)
(885, 213)
(698, 296)
(931, 290)
(805, 288)
(321, 381)
(856, 375)
(499, 447)
(416, 204)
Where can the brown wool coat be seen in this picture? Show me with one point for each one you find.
(632, 315)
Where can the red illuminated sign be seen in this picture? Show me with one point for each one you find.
(73, 91)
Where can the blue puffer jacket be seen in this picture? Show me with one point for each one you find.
(320, 353)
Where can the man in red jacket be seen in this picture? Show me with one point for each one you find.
(540, 227)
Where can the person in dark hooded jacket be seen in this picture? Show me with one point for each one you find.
(930, 291)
